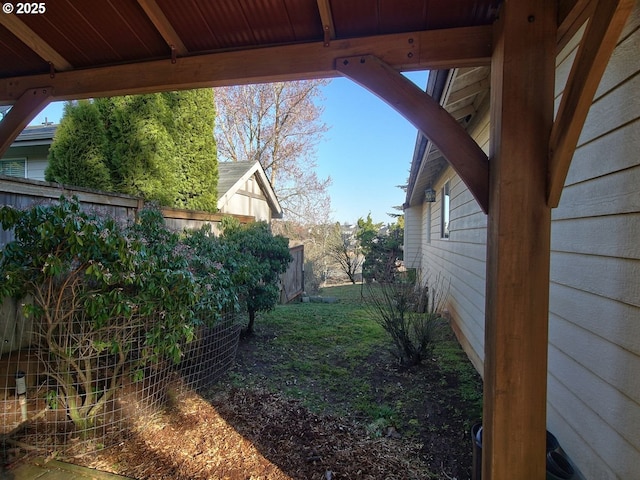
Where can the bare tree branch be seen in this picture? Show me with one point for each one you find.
(279, 125)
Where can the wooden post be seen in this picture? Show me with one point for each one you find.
(518, 241)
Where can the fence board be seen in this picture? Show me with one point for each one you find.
(293, 279)
(23, 193)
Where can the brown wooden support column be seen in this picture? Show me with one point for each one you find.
(23, 111)
(518, 241)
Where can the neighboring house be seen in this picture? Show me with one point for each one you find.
(593, 402)
(27, 156)
(244, 189)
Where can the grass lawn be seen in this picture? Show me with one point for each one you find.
(336, 360)
(315, 394)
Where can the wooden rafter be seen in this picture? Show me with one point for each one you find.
(163, 25)
(328, 26)
(455, 144)
(468, 91)
(595, 49)
(435, 49)
(34, 42)
(22, 112)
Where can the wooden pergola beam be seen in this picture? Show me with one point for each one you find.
(31, 39)
(518, 242)
(163, 25)
(453, 141)
(595, 49)
(22, 112)
(435, 49)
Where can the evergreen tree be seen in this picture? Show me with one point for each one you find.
(77, 155)
(158, 146)
(142, 156)
(366, 233)
(193, 114)
(384, 254)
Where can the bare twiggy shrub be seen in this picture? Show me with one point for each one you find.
(411, 313)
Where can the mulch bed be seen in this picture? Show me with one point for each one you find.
(252, 433)
(248, 434)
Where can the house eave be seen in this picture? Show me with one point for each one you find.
(420, 162)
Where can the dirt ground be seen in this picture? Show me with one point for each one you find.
(227, 432)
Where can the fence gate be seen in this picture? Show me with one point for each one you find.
(293, 279)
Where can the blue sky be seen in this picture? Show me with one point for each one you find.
(367, 150)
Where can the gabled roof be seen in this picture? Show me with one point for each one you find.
(36, 135)
(233, 175)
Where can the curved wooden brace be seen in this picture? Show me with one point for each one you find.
(23, 111)
(457, 146)
(597, 45)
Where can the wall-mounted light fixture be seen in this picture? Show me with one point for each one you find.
(430, 195)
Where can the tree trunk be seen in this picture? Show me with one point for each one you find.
(252, 318)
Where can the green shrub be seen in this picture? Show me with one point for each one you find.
(105, 294)
(256, 259)
(207, 260)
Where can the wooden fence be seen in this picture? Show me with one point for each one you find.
(292, 280)
(23, 193)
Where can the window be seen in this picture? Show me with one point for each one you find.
(13, 168)
(446, 209)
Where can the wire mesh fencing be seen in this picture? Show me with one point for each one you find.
(65, 395)
(211, 354)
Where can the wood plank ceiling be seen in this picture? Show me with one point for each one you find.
(78, 34)
(80, 49)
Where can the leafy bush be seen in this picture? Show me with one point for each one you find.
(410, 313)
(256, 258)
(105, 294)
(208, 255)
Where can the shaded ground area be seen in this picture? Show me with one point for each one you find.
(422, 414)
(243, 434)
(314, 394)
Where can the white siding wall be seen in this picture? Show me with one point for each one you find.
(594, 324)
(249, 200)
(594, 318)
(460, 259)
(412, 236)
